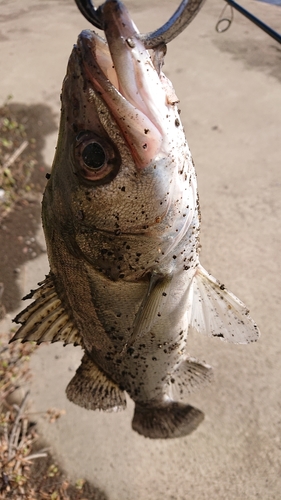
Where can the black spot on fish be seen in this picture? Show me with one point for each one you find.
(80, 215)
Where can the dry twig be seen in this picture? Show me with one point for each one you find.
(15, 155)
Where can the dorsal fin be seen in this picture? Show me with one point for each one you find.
(92, 389)
(45, 319)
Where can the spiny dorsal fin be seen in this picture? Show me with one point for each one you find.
(45, 319)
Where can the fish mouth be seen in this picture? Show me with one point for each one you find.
(121, 72)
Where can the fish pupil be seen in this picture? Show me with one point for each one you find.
(93, 155)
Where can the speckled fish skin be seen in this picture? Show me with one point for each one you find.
(106, 241)
(123, 237)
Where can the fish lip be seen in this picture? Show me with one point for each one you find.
(117, 85)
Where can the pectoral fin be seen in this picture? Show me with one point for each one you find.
(45, 319)
(215, 311)
(93, 390)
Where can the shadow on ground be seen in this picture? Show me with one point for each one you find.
(22, 183)
(19, 226)
(44, 481)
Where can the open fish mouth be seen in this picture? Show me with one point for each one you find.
(138, 95)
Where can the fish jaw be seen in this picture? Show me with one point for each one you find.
(154, 194)
(141, 100)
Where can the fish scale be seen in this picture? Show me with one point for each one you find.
(121, 219)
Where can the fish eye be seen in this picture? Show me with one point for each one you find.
(93, 155)
(96, 158)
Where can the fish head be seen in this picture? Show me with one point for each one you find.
(122, 164)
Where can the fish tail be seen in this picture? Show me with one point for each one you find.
(171, 420)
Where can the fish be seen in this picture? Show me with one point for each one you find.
(121, 219)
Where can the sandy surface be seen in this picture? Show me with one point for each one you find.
(229, 88)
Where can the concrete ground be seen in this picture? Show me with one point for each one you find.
(229, 88)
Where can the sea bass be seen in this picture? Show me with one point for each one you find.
(121, 219)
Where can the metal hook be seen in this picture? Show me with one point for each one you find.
(224, 22)
(170, 30)
(90, 12)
